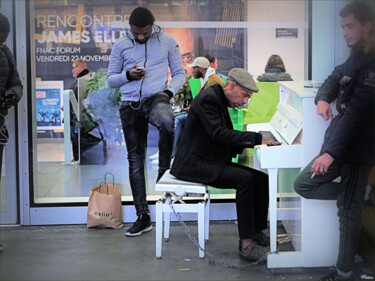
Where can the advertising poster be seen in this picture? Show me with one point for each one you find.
(89, 30)
(48, 105)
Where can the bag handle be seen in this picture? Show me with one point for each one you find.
(101, 184)
(113, 178)
(105, 181)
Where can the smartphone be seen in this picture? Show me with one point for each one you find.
(140, 68)
(10, 96)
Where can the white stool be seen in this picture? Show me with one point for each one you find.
(174, 191)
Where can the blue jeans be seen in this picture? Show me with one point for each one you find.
(179, 124)
(135, 117)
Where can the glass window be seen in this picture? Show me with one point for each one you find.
(238, 33)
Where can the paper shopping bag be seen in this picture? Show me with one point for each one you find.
(105, 208)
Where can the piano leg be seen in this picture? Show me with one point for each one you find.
(272, 186)
(272, 177)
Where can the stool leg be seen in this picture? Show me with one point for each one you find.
(207, 219)
(159, 228)
(167, 224)
(201, 226)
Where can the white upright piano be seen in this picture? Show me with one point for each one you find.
(313, 224)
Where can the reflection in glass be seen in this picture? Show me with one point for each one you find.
(66, 30)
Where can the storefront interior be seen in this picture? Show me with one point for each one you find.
(44, 188)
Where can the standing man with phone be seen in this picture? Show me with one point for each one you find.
(139, 66)
(348, 149)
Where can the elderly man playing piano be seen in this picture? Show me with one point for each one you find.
(206, 150)
(348, 150)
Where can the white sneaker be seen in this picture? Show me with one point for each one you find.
(154, 156)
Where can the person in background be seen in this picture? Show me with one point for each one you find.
(139, 66)
(180, 116)
(201, 70)
(10, 86)
(348, 150)
(213, 62)
(205, 155)
(275, 71)
(79, 70)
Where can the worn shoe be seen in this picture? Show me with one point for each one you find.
(334, 276)
(262, 239)
(142, 225)
(257, 253)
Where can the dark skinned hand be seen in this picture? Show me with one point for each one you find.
(9, 100)
(137, 74)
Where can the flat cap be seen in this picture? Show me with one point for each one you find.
(243, 79)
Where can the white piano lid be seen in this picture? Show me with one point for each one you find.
(304, 89)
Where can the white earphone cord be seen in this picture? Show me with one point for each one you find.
(3, 136)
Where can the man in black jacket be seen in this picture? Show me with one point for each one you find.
(206, 150)
(10, 85)
(348, 150)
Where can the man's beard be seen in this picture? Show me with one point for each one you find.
(142, 41)
(198, 75)
(357, 46)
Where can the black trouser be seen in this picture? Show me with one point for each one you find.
(135, 118)
(349, 194)
(251, 197)
(74, 140)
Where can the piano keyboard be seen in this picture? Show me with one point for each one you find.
(269, 135)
